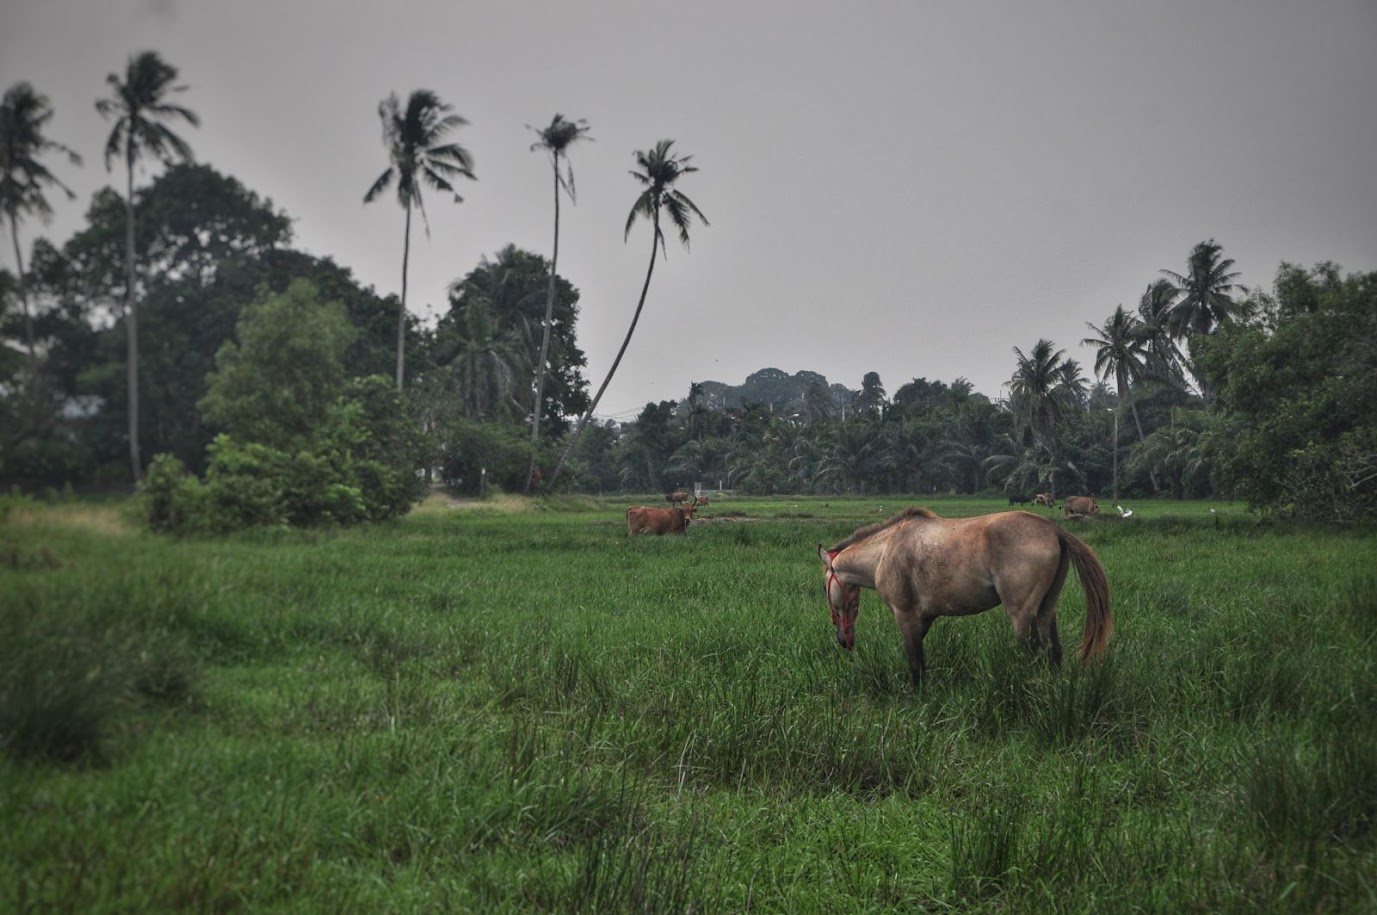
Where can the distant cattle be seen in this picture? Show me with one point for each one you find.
(678, 497)
(641, 519)
(1045, 498)
(1081, 505)
(1019, 500)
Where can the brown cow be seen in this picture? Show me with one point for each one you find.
(641, 519)
(1081, 505)
(678, 497)
(1045, 498)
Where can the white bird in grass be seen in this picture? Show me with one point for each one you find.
(1124, 512)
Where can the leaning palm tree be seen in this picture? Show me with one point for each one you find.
(139, 106)
(24, 181)
(556, 140)
(413, 140)
(659, 169)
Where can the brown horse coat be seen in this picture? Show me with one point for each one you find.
(924, 566)
(641, 519)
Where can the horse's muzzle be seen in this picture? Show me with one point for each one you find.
(846, 637)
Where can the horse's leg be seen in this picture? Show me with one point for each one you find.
(1025, 625)
(1047, 628)
(914, 629)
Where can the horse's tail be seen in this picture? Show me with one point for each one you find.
(1099, 623)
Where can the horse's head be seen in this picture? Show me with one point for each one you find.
(842, 599)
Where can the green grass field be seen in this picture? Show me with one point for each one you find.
(514, 707)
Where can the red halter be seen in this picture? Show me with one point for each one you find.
(827, 590)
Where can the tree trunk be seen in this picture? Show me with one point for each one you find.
(401, 313)
(131, 321)
(544, 342)
(1126, 393)
(583, 420)
(24, 298)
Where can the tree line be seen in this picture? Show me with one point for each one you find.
(179, 321)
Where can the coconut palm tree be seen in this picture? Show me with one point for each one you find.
(24, 181)
(1164, 360)
(1205, 297)
(1036, 405)
(1121, 350)
(414, 144)
(659, 168)
(139, 106)
(555, 140)
(1205, 290)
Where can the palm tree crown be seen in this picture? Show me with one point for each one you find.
(139, 106)
(659, 169)
(1205, 291)
(1119, 349)
(1034, 388)
(24, 180)
(414, 143)
(24, 114)
(556, 140)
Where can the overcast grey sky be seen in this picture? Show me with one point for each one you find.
(912, 188)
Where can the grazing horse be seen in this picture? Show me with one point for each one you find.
(1081, 505)
(1045, 499)
(641, 519)
(924, 567)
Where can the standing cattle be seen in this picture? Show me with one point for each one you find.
(1081, 505)
(1045, 499)
(1018, 500)
(641, 519)
(678, 497)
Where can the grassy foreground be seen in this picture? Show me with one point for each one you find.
(519, 709)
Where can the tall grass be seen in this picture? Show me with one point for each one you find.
(525, 710)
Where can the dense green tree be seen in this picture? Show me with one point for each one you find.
(660, 169)
(555, 139)
(140, 107)
(208, 244)
(511, 288)
(284, 373)
(486, 365)
(24, 183)
(303, 444)
(414, 140)
(1295, 416)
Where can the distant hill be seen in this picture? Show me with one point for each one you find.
(773, 388)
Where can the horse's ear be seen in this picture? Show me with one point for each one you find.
(824, 556)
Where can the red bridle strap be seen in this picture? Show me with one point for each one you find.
(827, 589)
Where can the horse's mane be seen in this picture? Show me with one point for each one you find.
(915, 511)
